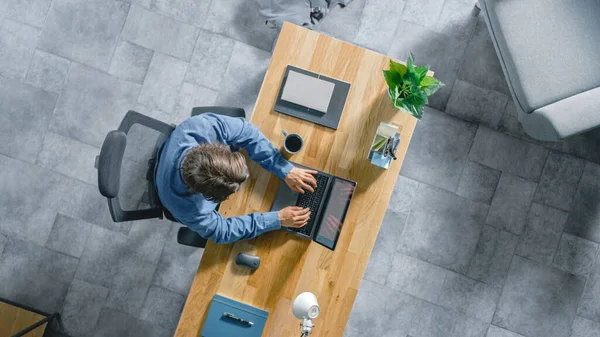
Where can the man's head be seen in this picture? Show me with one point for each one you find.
(214, 171)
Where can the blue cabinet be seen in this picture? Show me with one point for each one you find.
(229, 318)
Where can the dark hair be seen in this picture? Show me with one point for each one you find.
(214, 171)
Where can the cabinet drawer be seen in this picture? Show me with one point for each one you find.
(229, 318)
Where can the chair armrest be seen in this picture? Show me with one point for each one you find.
(109, 163)
(133, 117)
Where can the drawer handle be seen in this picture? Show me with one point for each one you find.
(237, 319)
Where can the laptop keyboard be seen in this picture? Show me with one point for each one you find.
(312, 201)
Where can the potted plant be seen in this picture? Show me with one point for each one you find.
(409, 86)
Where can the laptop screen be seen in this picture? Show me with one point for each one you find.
(333, 216)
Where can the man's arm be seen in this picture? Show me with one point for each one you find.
(223, 230)
(241, 133)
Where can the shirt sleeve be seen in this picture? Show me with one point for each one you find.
(223, 230)
(241, 133)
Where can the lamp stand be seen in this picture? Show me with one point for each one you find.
(306, 327)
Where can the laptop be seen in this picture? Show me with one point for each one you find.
(328, 206)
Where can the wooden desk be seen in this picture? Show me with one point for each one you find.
(14, 319)
(290, 265)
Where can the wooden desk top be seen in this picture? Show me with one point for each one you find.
(290, 265)
(14, 319)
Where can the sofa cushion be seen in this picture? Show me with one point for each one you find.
(549, 48)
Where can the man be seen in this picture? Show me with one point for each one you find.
(197, 170)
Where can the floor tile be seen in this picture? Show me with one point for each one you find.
(85, 32)
(178, 264)
(17, 45)
(440, 322)
(163, 83)
(69, 235)
(192, 96)
(478, 182)
(575, 255)
(147, 329)
(585, 214)
(162, 307)
(250, 64)
(415, 277)
(469, 297)
(92, 104)
(442, 228)
(495, 331)
(26, 112)
(403, 194)
(147, 238)
(383, 254)
(160, 33)
(481, 66)
(378, 24)
(431, 159)
(584, 145)
(458, 19)
(343, 23)
(423, 12)
(542, 233)
(30, 198)
(427, 45)
(475, 104)
(3, 240)
(48, 71)
(210, 59)
(130, 62)
(508, 154)
(32, 12)
(35, 276)
(551, 295)
(559, 180)
(69, 157)
(240, 20)
(396, 316)
(82, 307)
(100, 259)
(191, 11)
(130, 285)
(511, 203)
(492, 256)
(584, 328)
(589, 305)
(113, 323)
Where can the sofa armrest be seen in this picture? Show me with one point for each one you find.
(564, 118)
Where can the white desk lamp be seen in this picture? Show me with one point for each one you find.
(306, 308)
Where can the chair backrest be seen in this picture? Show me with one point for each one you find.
(124, 151)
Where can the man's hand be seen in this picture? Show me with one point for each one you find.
(299, 180)
(293, 216)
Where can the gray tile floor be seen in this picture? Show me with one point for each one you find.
(488, 232)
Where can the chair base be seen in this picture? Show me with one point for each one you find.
(188, 237)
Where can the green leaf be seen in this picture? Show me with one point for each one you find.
(392, 78)
(430, 85)
(398, 67)
(410, 67)
(421, 72)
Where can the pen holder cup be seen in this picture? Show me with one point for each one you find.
(384, 146)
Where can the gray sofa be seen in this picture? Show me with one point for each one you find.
(550, 54)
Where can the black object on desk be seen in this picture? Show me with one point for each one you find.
(246, 260)
(331, 117)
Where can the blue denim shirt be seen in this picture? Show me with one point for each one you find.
(193, 210)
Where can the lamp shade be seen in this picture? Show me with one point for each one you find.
(305, 306)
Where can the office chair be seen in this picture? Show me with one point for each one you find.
(110, 160)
